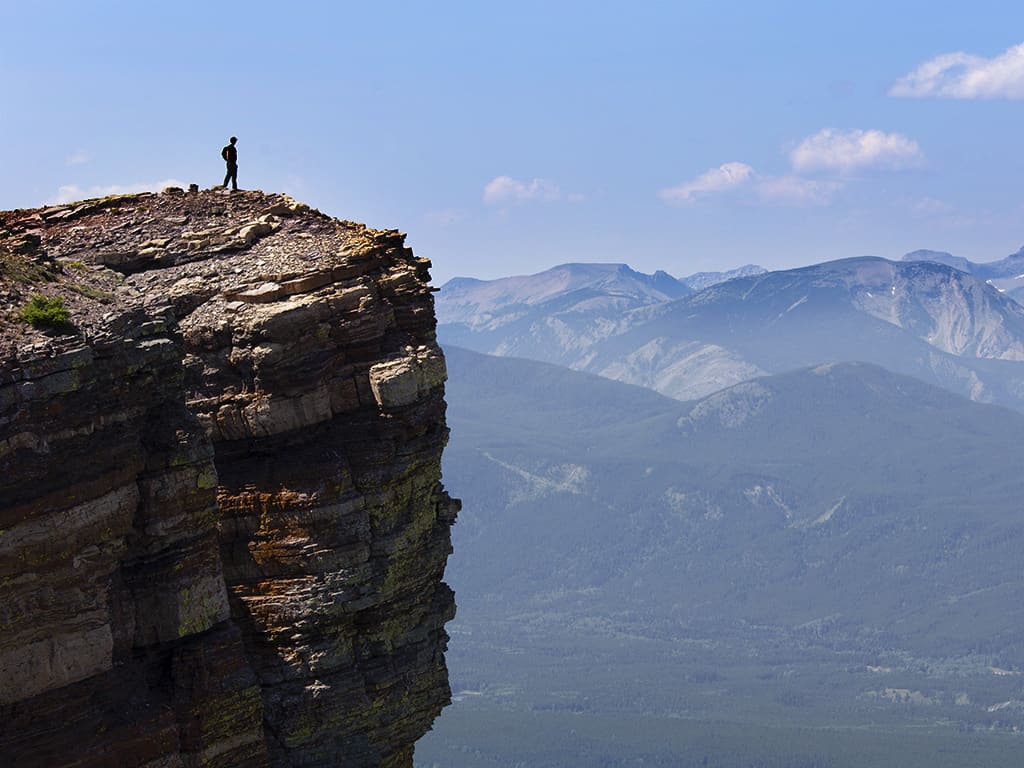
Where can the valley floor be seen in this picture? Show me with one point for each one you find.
(532, 696)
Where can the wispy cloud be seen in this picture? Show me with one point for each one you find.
(71, 192)
(78, 157)
(735, 177)
(846, 151)
(504, 189)
(965, 76)
(795, 190)
(723, 178)
(929, 206)
(943, 215)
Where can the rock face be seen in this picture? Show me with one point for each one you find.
(222, 524)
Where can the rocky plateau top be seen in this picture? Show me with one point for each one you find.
(222, 526)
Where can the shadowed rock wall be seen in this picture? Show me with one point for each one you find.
(223, 525)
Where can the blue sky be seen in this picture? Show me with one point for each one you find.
(507, 137)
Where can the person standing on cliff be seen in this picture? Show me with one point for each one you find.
(230, 155)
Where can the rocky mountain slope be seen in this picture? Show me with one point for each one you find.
(922, 319)
(940, 257)
(1006, 274)
(222, 526)
(1008, 266)
(774, 501)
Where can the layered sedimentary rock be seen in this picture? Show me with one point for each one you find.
(222, 525)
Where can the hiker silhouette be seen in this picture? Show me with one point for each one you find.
(230, 155)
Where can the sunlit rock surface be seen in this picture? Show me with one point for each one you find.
(222, 524)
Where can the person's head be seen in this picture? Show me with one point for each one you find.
(233, 140)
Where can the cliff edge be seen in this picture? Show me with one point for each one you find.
(222, 525)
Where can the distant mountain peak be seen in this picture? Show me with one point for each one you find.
(1006, 274)
(698, 281)
(940, 257)
(570, 286)
(951, 310)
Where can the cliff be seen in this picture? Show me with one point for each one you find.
(222, 524)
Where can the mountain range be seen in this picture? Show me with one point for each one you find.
(788, 501)
(924, 319)
(580, 286)
(576, 287)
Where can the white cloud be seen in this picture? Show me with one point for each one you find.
(71, 192)
(794, 190)
(830, 153)
(505, 189)
(964, 76)
(845, 151)
(781, 190)
(720, 179)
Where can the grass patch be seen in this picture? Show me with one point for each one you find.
(21, 269)
(104, 297)
(46, 312)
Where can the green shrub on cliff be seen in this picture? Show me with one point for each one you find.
(46, 312)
